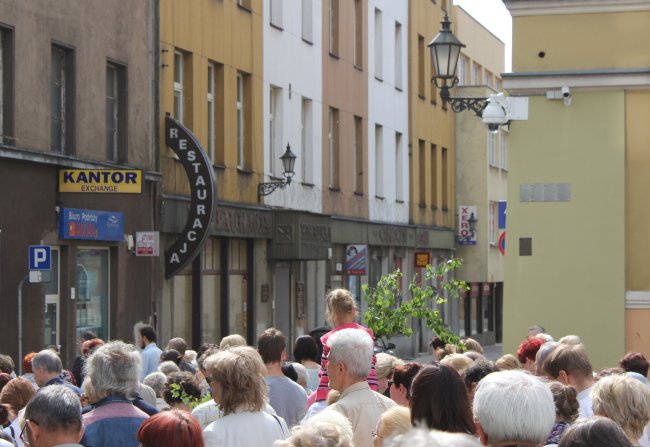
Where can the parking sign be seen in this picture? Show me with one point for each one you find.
(40, 257)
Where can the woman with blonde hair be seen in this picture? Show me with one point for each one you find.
(384, 367)
(238, 387)
(624, 400)
(565, 398)
(394, 421)
(507, 362)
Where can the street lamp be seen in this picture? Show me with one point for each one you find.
(472, 225)
(445, 51)
(288, 162)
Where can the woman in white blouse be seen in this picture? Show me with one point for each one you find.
(237, 382)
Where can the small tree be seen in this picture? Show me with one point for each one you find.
(389, 309)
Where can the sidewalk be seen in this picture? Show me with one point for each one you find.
(492, 352)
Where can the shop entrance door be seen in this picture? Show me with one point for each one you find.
(51, 330)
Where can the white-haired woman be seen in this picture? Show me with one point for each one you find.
(328, 428)
(238, 387)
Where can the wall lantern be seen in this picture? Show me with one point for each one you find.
(445, 51)
(288, 162)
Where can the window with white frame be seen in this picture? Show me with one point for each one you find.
(307, 21)
(493, 222)
(492, 152)
(379, 47)
(306, 141)
(379, 161)
(240, 120)
(211, 110)
(179, 94)
(398, 55)
(504, 149)
(476, 74)
(399, 168)
(275, 129)
(276, 13)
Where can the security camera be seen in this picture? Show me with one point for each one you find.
(494, 114)
(493, 128)
(566, 92)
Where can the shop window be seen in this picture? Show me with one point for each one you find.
(93, 278)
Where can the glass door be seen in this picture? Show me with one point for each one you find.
(93, 291)
(51, 329)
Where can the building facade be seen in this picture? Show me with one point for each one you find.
(481, 184)
(76, 97)
(575, 261)
(211, 81)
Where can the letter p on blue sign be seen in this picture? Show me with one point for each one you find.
(40, 257)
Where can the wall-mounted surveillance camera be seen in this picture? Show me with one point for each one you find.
(566, 92)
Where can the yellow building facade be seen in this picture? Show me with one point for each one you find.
(431, 126)
(576, 188)
(210, 79)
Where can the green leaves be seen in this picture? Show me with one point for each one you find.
(390, 308)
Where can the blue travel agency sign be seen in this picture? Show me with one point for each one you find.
(91, 225)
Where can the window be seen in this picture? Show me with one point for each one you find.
(116, 110)
(399, 168)
(492, 152)
(276, 13)
(6, 86)
(358, 155)
(241, 124)
(462, 70)
(422, 173)
(488, 78)
(421, 80)
(334, 26)
(492, 223)
(275, 129)
(62, 100)
(216, 113)
(358, 34)
(333, 139)
(379, 47)
(179, 91)
(398, 55)
(379, 161)
(445, 179)
(504, 150)
(434, 176)
(211, 110)
(476, 74)
(306, 141)
(307, 21)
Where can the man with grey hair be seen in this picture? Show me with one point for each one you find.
(47, 368)
(113, 370)
(53, 418)
(349, 363)
(513, 408)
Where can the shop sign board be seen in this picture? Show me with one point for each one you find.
(147, 243)
(100, 180)
(356, 259)
(91, 225)
(203, 189)
(467, 219)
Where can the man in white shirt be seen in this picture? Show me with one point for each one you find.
(150, 354)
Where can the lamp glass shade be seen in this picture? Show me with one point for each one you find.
(288, 162)
(445, 50)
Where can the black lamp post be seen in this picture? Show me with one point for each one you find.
(445, 51)
(288, 162)
(472, 224)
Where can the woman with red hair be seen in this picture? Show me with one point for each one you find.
(174, 428)
(527, 352)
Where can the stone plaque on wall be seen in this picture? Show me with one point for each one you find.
(299, 235)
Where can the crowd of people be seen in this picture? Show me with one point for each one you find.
(336, 393)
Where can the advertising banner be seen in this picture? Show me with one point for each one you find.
(356, 259)
(100, 180)
(91, 225)
(467, 225)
